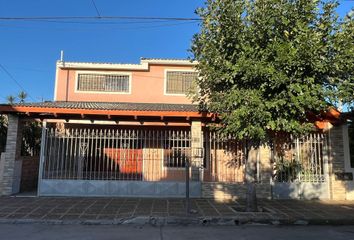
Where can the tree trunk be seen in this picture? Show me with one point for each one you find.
(251, 169)
(251, 199)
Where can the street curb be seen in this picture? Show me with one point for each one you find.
(186, 221)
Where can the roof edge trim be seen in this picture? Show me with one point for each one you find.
(144, 64)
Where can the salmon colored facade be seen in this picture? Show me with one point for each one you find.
(147, 81)
(144, 142)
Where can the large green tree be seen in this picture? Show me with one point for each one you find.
(265, 64)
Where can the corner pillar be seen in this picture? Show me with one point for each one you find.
(10, 164)
(196, 151)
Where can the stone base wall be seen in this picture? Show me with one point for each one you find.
(341, 188)
(233, 191)
(338, 190)
(29, 178)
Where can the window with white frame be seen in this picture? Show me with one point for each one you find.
(103, 82)
(179, 82)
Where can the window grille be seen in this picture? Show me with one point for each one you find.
(103, 83)
(179, 82)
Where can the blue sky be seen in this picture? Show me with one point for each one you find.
(29, 49)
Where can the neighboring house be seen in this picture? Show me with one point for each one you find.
(131, 130)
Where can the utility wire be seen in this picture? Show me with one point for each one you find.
(14, 79)
(98, 12)
(102, 22)
(152, 25)
(98, 17)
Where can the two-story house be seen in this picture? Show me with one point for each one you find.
(131, 130)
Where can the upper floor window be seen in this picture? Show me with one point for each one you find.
(179, 82)
(103, 82)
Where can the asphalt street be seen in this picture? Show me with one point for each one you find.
(105, 232)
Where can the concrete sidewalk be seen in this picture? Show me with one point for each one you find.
(60, 210)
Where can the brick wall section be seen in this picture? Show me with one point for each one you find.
(8, 158)
(227, 191)
(336, 162)
(29, 178)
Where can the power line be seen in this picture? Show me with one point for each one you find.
(97, 18)
(102, 22)
(142, 25)
(98, 12)
(17, 83)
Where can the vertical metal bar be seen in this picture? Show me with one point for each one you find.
(63, 136)
(319, 157)
(187, 171)
(258, 164)
(65, 162)
(124, 147)
(146, 156)
(95, 162)
(155, 147)
(60, 146)
(320, 153)
(79, 156)
(150, 154)
(90, 140)
(141, 159)
(70, 139)
(98, 154)
(133, 159)
(121, 176)
(111, 158)
(50, 153)
(228, 157)
(115, 154)
(77, 150)
(298, 150)
(104, 158)
(43, 159)
(56, 154)
(42, 156)
(313, 157)
(128, 155)
(213, 136)
(107, 140)
(87, 154)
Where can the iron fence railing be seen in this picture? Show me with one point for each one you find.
(300, 159)
(224, 159)
(120, 154)
(161, 155)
